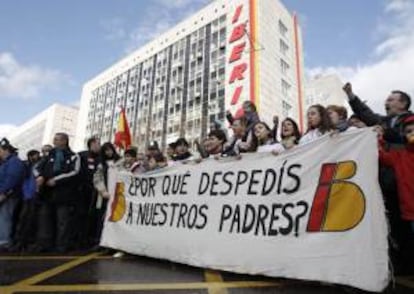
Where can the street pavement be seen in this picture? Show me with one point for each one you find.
(100, 273)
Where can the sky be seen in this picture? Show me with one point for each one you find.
(49, 48)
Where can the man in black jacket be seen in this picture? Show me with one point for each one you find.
(59, 178)
(86, 213)
(397, 108)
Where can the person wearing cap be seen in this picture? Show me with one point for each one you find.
(12, 173)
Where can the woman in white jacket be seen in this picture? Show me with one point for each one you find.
(318, 124)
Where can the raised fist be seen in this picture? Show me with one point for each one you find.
(348, 89)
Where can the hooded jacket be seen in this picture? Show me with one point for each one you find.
(402, 162)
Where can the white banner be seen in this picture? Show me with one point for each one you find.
(314, 213)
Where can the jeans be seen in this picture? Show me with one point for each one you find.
(55, 226)
(26, 225)
(6, 219)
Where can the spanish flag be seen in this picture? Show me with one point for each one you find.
(122, 135)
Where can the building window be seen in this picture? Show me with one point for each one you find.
(284, 66)
(309, 100)
(283, 47)
(282, 29)
(285, 88)
(223, 35)
(286, 107)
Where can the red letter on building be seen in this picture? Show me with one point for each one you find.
(237, 51)
(236, 95)
(238, 32)
(237, 73)
(237, 14)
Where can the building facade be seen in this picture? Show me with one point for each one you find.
(325, 90)
(181, 82)
(41, 129)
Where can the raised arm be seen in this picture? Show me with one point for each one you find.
(362, 110)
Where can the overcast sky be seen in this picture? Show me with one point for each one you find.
(49, 48)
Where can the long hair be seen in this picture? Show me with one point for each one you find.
(256, 140)
(325, 124)
(104, 158)
(296, 131)
(105, 146)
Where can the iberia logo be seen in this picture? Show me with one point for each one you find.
(339, 205)
(118, 204)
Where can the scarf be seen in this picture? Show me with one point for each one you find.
(58, 161)
(342, 126)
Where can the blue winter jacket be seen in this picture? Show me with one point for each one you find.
(12, 173)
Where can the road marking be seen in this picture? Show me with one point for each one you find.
(56, 270)
(55, 257)
(6, 290)
(23, 258)
(406, 281)
(136, 287)
(212, 276)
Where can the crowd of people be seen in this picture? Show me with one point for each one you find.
(56, 200)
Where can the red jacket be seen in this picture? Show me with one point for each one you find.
(402, 161)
